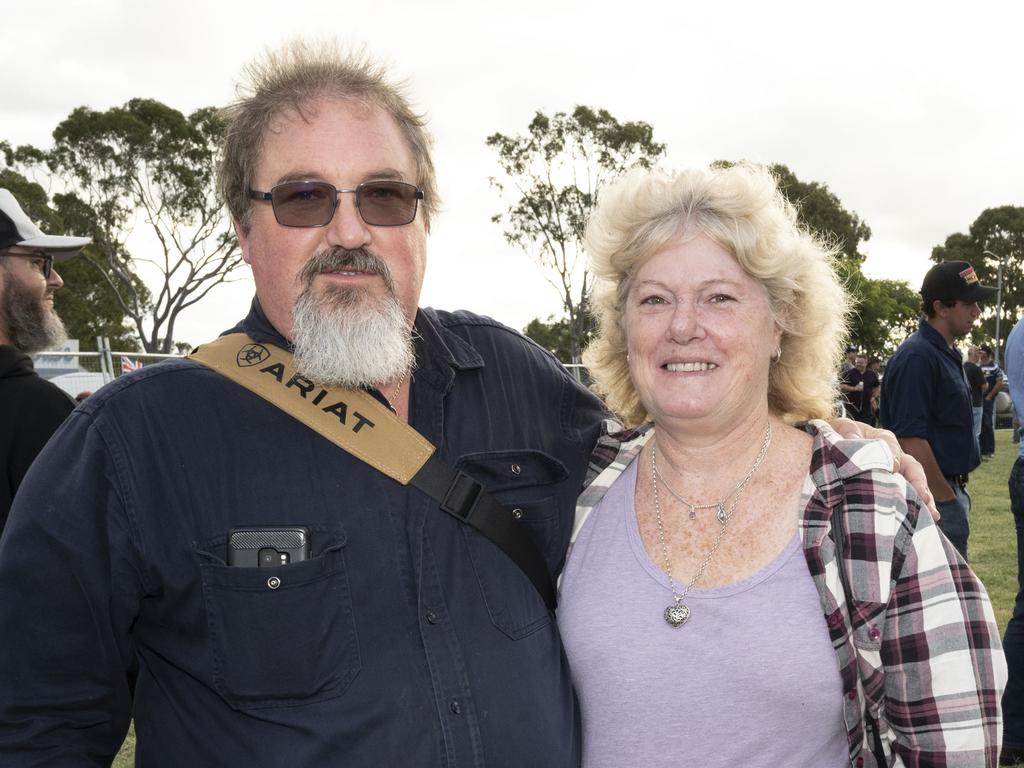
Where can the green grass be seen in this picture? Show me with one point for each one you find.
(993, 545)
(126, 757)
(993, 542)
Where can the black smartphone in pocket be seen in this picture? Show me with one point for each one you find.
(268, 546)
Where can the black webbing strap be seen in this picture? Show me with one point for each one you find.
(464, 498)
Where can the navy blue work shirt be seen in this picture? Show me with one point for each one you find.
(925, 394)
(405, 639)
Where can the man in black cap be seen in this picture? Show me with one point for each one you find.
(925, 398)
(31, 408)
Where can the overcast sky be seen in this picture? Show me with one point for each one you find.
(912, 113)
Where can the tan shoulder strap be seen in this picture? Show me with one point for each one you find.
(350, 418)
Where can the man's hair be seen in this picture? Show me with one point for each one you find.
(742, 210)
(928, 304)
(292, 79)
(986, 349)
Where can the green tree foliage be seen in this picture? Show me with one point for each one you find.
(887, 311)
(555, 336)
(823, 213)
(551, 178)
(86, 303)
(1000, 231)
(145, 166)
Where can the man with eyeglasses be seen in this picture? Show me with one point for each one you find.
(393, 633)
(404, 637)
(31, 408)
(925, 397)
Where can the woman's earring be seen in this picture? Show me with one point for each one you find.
(777, 356)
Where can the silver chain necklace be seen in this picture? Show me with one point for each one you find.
(678, 613)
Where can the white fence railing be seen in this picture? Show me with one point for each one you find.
(78, 373)
(84, 372)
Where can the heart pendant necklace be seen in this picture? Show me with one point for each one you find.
(678, 613)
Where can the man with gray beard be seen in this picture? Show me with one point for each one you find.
(401, 635)
(393, 632)
(31, 408)
(343, 338)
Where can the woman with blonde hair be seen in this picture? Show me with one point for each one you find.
(744, 587)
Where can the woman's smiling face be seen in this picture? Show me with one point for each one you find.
(701, 335)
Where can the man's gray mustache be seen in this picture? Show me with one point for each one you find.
(335, 259)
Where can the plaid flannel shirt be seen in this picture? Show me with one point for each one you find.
(911, 625)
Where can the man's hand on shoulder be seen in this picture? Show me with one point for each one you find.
(903, 462)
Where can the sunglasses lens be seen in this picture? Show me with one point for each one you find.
(387, 203)
(303, 203)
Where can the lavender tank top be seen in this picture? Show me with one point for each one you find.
(750, 680)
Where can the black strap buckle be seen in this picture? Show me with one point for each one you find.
(462, 495)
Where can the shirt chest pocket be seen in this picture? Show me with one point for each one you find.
(953, 400)
(281, 636)
(526, 483)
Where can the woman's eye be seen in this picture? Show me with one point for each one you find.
(720, 298)
(650, 300)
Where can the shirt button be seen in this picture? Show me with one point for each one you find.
(517, 513)
(834, 619)
(873, 633)
(852, 695)
(860, 762)
(516, 469)
(455, 707)
(432, 617)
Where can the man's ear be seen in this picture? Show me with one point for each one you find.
(243, 238)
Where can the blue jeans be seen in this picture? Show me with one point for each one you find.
(954, 518)
(1013, 640)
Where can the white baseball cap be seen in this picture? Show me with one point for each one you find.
(17, 229)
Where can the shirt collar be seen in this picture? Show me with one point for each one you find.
(835, 459)
(932, 336)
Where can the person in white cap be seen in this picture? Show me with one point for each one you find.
(31, 408)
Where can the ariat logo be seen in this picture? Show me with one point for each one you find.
(328, 402)
(969, 276)
(252, 354)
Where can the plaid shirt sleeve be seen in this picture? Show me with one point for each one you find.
(615, 450)
(944, 666)
(913, 627)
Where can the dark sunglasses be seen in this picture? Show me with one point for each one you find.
(47, 259)
(312, 203)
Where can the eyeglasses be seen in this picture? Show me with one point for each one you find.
(312, 203)
(47, 258)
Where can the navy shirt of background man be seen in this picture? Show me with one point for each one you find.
(925, 398)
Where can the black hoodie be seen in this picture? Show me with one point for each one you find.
(31, 409)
